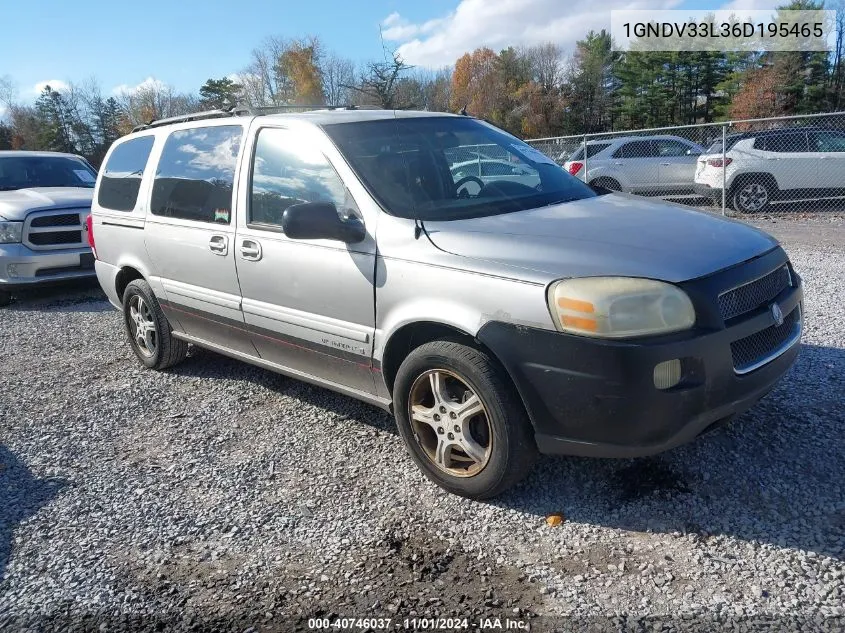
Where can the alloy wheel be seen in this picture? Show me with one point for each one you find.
(450, 423)
(142, 326)
(753, 197)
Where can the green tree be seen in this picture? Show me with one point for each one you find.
(219, 93)
(55, 122)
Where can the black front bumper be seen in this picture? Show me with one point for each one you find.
(596, 397)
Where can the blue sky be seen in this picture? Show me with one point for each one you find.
(184, 42)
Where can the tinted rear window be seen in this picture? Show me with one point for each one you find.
(637, 149)
(122, 174)
(592, 150)
(782, 143)
(196, 173)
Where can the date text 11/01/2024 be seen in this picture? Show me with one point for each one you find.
(417, 624)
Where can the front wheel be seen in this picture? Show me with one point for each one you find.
(462, 421)
(149, 332)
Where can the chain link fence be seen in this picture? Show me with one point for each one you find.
(783, 164)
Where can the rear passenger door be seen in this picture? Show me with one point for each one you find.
(787, 157)
(309, 303)
(639, 164)
(190, 233)
(677, 165)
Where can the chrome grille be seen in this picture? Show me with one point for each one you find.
(756, 350)
(752, 295)
(50, 230)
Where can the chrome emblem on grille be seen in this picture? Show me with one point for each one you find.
(777, 314)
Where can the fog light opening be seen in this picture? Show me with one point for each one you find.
(667, 374)
(12, 271)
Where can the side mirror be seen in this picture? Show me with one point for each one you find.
(320, 221)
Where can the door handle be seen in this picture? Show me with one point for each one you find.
(219, 244)
(251, 250)
(665, 164)
(618, 164)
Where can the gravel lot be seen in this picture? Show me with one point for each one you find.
(217, 495)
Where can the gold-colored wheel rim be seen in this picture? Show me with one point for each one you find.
(450, 423)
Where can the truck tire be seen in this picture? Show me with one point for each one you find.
(462, 420)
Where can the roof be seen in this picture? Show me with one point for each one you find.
(14, 153)
(326, 117)
(778, 131)
(651, 137)
(321, 116)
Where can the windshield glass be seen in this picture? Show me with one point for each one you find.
(442, 168)
(25, 172)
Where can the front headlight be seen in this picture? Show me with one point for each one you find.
(10, 232)
(619, 307)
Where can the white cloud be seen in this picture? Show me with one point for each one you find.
(746, 5)
(55, 84)
(395, 28)
(501, 23)
(149, 82)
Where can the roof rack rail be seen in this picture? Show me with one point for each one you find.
(194, 116)
(242, 110)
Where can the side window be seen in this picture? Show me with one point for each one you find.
(783, 143)
(636, 149)
(122, 174)
(827, 142)
(286, 171)
(668, 147)
(196, 173)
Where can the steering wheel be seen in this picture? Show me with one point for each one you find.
(465, 180)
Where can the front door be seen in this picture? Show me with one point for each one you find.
(190, 234)
(309, 304)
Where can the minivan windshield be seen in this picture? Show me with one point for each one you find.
(443, 168)
(25, 172)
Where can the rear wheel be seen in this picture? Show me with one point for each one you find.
(610, 184)
(752, 195)
(149, 332)
(5, 299)
(461, 420)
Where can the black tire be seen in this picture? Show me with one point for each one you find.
(5, 299)
(752, 194)
(166, 351)
(511, 441)
(610, 184)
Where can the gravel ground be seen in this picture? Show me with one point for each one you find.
(221, 496)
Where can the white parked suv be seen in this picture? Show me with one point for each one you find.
(647, 165)
(774, 166)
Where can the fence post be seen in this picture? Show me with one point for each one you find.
(586, 158)
(724, 167)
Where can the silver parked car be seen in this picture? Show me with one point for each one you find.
(45, 199)
(336, 247)
(645, 165)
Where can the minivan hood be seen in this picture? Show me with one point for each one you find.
(614, 234)
(14, 205)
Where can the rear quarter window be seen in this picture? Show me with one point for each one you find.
(196, 173)
(122, 174)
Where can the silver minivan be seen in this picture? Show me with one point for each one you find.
(494, 321)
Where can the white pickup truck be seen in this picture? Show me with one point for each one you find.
(45, 199)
